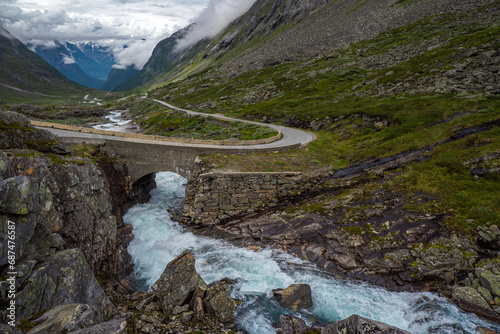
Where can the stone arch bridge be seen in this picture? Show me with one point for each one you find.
(148, 154)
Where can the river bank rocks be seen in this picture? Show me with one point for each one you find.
(355, 227)
(181, 291)
(355, 324)
(181, 302)
(479, 292)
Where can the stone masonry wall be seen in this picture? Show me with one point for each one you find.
(214, 197)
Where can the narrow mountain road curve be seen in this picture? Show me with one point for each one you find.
(291, 138)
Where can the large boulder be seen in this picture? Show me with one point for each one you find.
(66, 278)
(218, 302)
(296, 296)
(177, 284)
(357, 324)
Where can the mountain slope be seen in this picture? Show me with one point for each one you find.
(23, 70)
(164, 59)
(415, 87)
(95, 60)
(63, 59)
(277, 31)
(118, 76)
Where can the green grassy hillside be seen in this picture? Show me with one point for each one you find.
(429, 85)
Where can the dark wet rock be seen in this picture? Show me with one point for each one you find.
(296, 296)
(177, 284)
(65, 318)
(115, 326)
(65, 278)
(218, 302)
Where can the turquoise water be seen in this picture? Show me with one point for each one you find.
(158, 240)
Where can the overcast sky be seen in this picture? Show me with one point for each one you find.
(140, 24)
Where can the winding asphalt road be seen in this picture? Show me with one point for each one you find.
(291, 138)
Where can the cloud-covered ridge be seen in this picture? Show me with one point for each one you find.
(137, 24)
(213, 19)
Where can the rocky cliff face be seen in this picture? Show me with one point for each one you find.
(80, 207)
(58, 212)
(320, 27)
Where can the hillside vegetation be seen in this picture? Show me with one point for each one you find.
(414, 87)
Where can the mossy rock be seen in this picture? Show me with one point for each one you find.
(470, 300)
(489, 280)
(22, 195)
(65, 278)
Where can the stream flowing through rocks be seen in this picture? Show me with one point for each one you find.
(159, 239)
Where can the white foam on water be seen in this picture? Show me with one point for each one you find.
(117, 122)
(158, 240)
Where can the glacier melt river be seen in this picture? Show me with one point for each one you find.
(158, 240)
